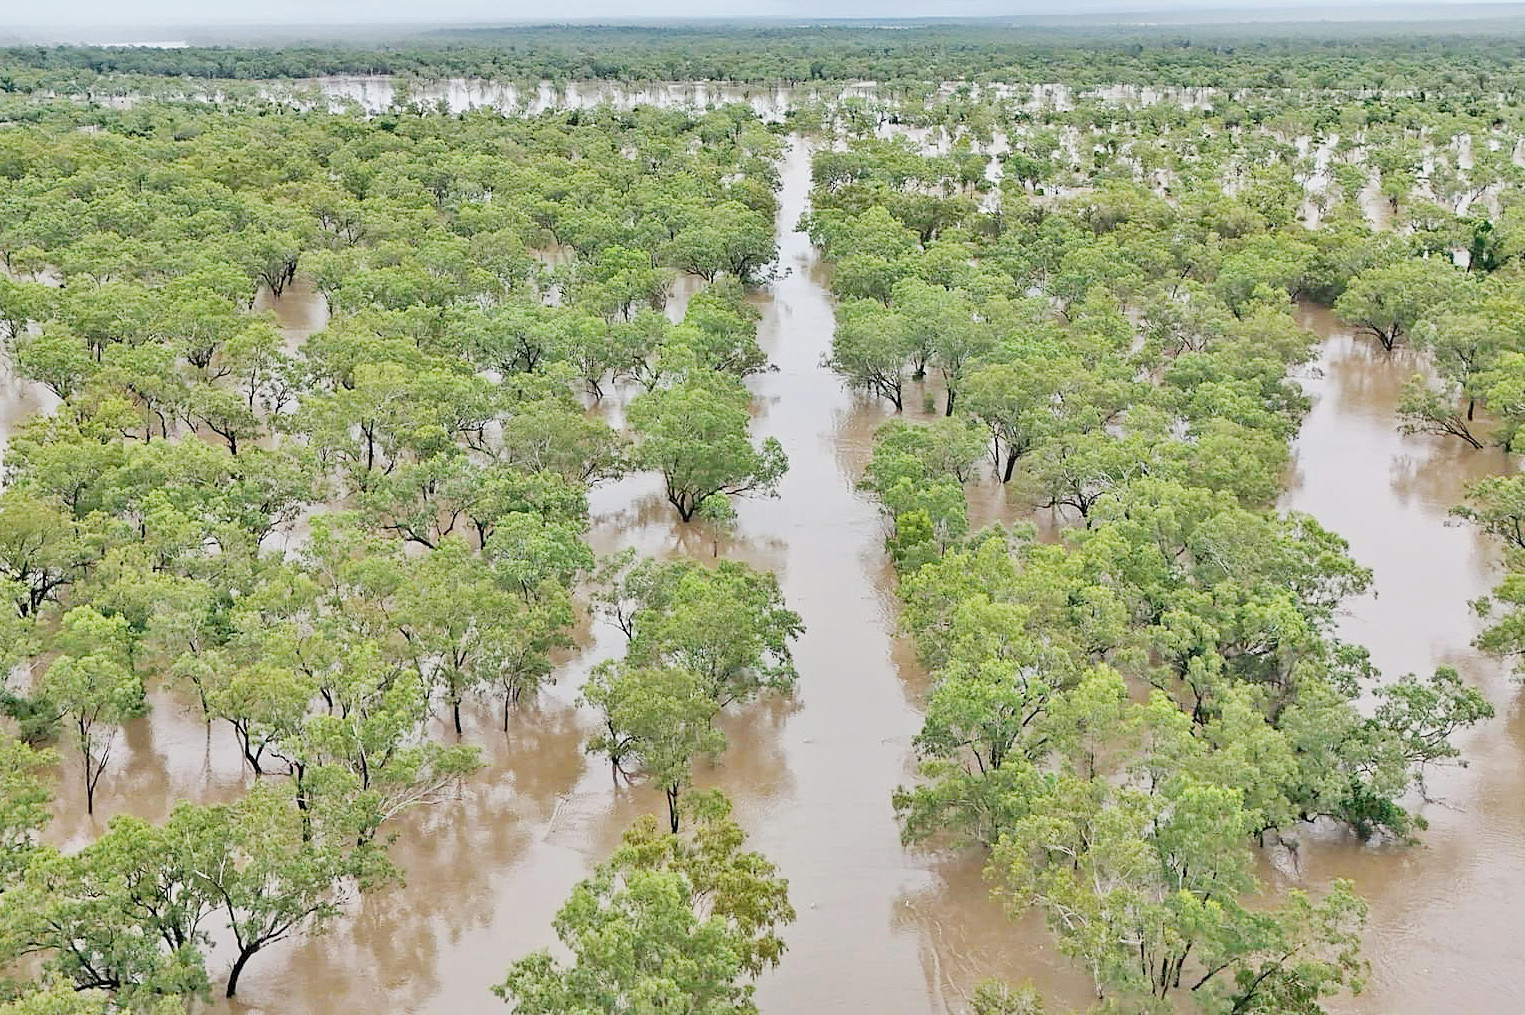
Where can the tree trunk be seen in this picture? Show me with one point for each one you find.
(93, 769)
(672, 808)
(1011, 466)
(455, 709)
(951, 395)
(238, 967)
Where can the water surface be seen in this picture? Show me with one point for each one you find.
(882, 929)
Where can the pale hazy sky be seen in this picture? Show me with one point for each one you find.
(85, 15)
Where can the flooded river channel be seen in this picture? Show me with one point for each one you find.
(1443, 935)
(882, 929)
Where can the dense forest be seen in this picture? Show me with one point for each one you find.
(1067, 269)
(1482, 54)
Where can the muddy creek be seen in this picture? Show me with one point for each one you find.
(1443, 931)
(882, 929)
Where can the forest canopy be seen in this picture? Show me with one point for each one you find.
(352, 429)
(1012, 51)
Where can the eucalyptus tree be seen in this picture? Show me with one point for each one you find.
(92, 685)
(682, 921)
(695, 434)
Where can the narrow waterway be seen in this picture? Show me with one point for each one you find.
(1444, 933)
(882, 929)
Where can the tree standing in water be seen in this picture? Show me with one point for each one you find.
(657, 721)
(680, 923)
(695, 435)
(93, 687)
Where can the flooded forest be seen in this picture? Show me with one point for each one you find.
(730, 520)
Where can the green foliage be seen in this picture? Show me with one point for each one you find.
(695, 435)
(670, 921)
(24, 804)
(727, 625)
(1496, 506)
(728, 237)
(1135, 878)
(40, 550)
(699, 639)
(656, 722)
(61, 998)
(1098, 287)
(1424, 409)
(93, 687)
(992, 997)
(918, 472)
(126, 914)
(1389, 301)
(872, 349)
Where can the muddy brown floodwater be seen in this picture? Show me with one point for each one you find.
(299, 311)
(882, 929)
(1444, 934)
(19, 400)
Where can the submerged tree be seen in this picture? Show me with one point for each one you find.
(93, 687)
(1388, 301)
(1424, 409)
(872, 349)
(1137, 884)
(272, 870)
(695, 434)
(127, 914)
(670, 922)
(657, 721)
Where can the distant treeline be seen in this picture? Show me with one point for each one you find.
(1483, 54)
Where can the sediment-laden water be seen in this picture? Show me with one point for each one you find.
(882, 929)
